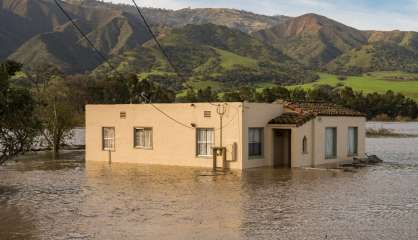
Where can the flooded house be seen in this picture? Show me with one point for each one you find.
(238, 135)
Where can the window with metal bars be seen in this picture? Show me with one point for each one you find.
(205, 141)
(108, 138)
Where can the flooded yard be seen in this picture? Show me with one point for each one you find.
(68, 199)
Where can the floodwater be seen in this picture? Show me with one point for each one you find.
(68, 199)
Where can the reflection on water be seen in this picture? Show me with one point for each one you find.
(67, 199)
(398, 127)
(395, 150)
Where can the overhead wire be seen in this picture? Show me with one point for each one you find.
(163, 51)
(154, 37)
(100, 54)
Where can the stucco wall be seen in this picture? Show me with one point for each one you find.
(173, 144)
(298, 157)
(314, 131)
(258, 115)
(342, 124)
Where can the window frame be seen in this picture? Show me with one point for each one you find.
(261, 155)
(205, 142)
(113, 139)
(355, 153)
(335, 145)
(305, 145)
(151, 138)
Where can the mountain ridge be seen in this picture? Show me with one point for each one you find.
(38, 32)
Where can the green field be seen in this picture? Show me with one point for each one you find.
(405, 83)
(229, 60)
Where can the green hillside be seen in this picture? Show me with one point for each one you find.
(211, 53)
(405, 83)
(222, 48)
(229, 60)
(378, 56)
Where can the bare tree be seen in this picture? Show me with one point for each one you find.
(57, 113)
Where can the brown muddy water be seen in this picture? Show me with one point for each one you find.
(68, 199)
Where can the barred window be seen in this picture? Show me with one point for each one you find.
(108, 137)
(205, 141)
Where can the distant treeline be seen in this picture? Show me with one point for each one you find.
(129, 88)
(387, 106)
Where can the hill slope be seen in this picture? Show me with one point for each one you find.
(385, 51)
(212, 53)
(25, 19)
(57, 42)
(312, 39)
(237, 19)
(37, 32)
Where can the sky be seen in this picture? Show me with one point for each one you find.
(361, 14)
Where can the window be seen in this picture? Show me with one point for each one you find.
(352, 141)
(305, 145)
(143, 138)
(122, 115)
(205, 141)
(108, 134)
(255, 142)
(330, 142)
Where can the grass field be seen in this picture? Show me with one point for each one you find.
(405, 83)
(228, 59)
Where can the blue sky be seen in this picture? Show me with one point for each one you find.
(362, 14)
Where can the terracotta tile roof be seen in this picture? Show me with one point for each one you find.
(323, 109)
(293, 118)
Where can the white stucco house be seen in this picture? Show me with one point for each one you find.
(280, 134)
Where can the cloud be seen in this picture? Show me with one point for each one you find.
(362, 14)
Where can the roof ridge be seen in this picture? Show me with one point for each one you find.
(322, 108)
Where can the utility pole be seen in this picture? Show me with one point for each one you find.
(220, 151)
(220, 109)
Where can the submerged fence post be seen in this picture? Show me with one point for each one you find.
(110, 157)
(215, 156)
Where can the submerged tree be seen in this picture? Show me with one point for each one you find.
(57, 113)
(18, 122)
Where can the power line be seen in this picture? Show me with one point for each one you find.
(183, 124)
(114, 69)
(108, 62)
(163, 51)
(168, 116)
(100, 54)
(166, 55)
